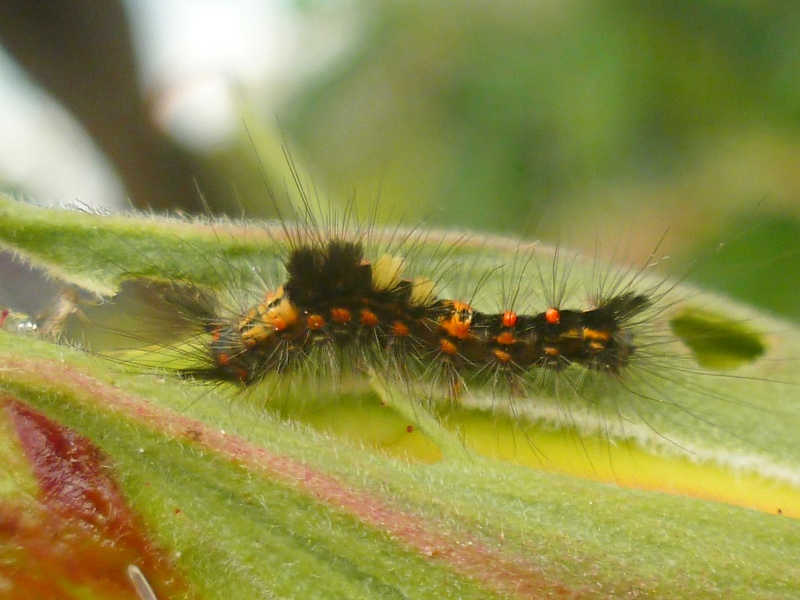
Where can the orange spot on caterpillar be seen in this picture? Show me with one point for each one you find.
(460, 320)
(506, 338)
(282, 314)
(448, 347)
(341, 315)
(400, 329)
(509, 318)
(501, 356)
(315, 322)
(552, 316)
(369, 318)
(276, 313)
(596, 334)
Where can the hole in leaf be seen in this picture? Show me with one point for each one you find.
(717, 342)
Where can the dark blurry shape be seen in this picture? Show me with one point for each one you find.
(81, 52)
(717, 342)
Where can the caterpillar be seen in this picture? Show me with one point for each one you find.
(335, 300)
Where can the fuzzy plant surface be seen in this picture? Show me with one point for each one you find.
(122, 480)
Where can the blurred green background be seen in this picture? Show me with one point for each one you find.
(584, 123)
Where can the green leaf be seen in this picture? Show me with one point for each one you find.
(265, 494)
